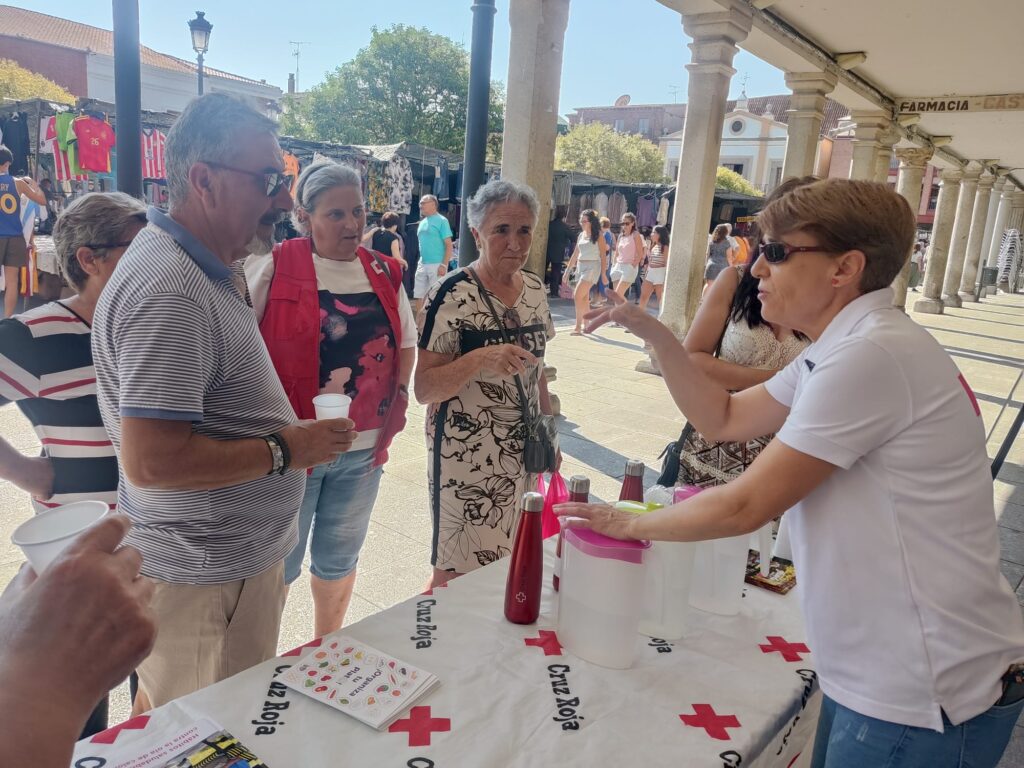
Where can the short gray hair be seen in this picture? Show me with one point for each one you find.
(429, 199)
(208, 129)
(98, 218)
(316, 179)
(499, 191)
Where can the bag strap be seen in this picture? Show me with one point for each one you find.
(504, 335)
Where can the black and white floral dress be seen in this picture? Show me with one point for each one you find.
(475, 439)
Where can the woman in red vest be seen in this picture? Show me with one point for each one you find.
(336, 319)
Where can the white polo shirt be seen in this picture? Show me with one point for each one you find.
(907, 613)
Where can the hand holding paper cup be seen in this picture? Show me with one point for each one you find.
(331, 406)
(46, 535)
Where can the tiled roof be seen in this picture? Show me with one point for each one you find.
(779, 105)
(18, 22)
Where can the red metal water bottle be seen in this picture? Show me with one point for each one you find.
(526, 569)
(633, 482)
(579, 490)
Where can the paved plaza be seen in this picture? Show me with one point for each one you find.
(610, 413)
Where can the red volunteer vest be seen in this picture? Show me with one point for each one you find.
(291, 329)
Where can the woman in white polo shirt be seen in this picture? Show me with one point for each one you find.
(880, 459)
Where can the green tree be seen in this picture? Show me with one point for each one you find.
(732, 181)
(598, 150)
(18, 83)
(408, 84)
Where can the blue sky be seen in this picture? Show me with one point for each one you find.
(612, 47)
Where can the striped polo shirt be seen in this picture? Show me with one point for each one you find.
(46, 368)
(173, 338)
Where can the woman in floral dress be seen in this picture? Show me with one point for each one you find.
(466, 373)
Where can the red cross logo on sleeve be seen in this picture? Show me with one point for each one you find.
(704, 716)
(420, 725)
(547, 640)
(789, 651)
(110, 735)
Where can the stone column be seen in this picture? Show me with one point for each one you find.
(913, 161)
(871, 126)
(942, 230)
(531, 108)
(973, 257)
(714, 45)
(993, 207)
(958, 240)
(1002, 214)
(807, 108)
(883, 159)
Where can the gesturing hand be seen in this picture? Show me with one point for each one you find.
(506, 360)
(627, 314)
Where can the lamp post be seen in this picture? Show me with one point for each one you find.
(200, 29)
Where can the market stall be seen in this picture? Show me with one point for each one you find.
(735, 690)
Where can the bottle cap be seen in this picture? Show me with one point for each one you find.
(533, 502)
(635, 467)
(579, 484)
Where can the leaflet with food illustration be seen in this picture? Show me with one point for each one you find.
(360, 681)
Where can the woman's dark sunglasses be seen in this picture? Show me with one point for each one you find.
(776, 253)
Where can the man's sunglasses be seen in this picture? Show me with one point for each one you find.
(273, 181)
(776, 253)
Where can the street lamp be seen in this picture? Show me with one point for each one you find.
(200, 29)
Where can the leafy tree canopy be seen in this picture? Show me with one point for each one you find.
(596, 149)
(732, 181)
(18, 83)
(408, 84)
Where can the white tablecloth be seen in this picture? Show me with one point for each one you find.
(734, 691)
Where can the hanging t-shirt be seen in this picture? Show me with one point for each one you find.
(399, 183)
(95, 138)
(153, 154)
(292, 168)
(68, 142)
(15, 137)
(440, 186)
(58, 147)
(646, 211)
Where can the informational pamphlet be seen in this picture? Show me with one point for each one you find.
(360, 681)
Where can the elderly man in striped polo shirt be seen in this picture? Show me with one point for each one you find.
(210, 451)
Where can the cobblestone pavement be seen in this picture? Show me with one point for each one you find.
(611, 413)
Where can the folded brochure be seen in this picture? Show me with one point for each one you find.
(350, 676)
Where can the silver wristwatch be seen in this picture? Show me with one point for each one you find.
(276, 455)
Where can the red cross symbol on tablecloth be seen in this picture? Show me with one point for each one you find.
(789, 651)
(705, 717)
(304, 646)
(431, 590)
(420, 725)
(547, 640)
(110, 735)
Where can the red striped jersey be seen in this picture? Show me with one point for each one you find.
(46, 370)
(153, 154)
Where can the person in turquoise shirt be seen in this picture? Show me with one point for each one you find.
(435, 239)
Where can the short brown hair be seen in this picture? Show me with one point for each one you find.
(849, 215)
(389, 219)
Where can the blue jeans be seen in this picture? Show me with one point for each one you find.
(846, 739)
(337, 505)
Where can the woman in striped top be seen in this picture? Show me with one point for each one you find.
(654, 279)
(46, 368)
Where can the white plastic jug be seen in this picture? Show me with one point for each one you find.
(719, 568)
(600, 596)
(667, 594)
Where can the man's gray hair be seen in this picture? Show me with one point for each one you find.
(316, 179)
(208, 129)
(428, 199)
(499, 191)
(98, 218)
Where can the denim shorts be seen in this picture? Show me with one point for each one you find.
(337, 505)
(847, 739)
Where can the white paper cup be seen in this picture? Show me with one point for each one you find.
(331, 406)
(45, 536)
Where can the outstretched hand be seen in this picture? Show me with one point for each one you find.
(602, 518)
(627, 314)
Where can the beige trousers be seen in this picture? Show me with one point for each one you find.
(206, 633)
